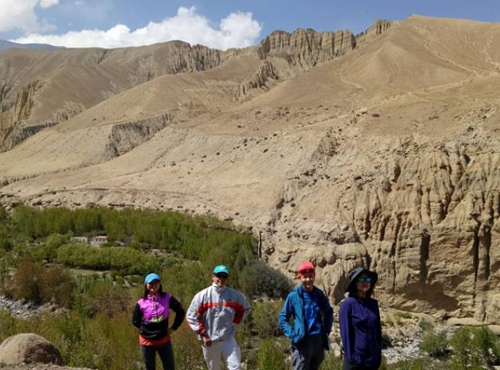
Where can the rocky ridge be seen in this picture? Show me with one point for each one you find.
(302, 49)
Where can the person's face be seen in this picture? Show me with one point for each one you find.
(220, 279)
(307, 279)
(153, 286)
(363, 284)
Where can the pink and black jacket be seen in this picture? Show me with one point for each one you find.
(151, 315)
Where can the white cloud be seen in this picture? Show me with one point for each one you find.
(236, 30)
(20, 14)
(48, 3)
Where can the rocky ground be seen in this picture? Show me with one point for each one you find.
(24, 308)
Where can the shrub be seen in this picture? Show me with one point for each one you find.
(26, 282)
(103, 297)
(425, 325)
(264, 319)
(35, 283)
(271, 356)
(474, 348)
(403, 315)
(5, 243)
(435, 343)
(259, 279)
(8, 323)
(57, 286)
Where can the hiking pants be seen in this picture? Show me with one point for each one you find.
(309, 353)
(228, 350)
(165, 352)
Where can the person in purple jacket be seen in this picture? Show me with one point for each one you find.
(359, 321)
(151, 316)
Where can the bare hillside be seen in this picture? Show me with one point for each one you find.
(381, 147)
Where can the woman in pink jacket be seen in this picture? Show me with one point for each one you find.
(151, 316)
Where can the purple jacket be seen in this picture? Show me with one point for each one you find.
(155, 308)
(361, 331)
(151, 315)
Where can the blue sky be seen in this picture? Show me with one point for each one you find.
(215, 23)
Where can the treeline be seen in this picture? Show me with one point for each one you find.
(193, 236)
(45, 235)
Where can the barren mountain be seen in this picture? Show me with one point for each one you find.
(381, 147)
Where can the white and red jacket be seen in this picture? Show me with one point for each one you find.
(214, 311)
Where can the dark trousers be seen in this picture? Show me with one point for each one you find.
(165, 352)
(348, 366)
(309, 353)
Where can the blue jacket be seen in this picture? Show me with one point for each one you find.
(294, 306)
(361, 331)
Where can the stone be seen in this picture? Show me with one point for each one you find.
(28, 348)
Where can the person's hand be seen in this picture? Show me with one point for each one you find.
(207, 342)
(170, 331)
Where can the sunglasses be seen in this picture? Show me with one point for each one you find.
(222, 276)
(362, 279)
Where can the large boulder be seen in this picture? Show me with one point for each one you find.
(28, 348)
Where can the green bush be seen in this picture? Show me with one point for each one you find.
(271, 356)
(474, 348)
(8, 323)
(257, 279)
(425, 325)
(264, 319)
(5, 243)
(57, 286)
(35, 283)
(435, 343)
(104, 297)
(26, 282)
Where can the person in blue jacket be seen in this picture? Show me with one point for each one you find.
(359, 320)
(312, 321)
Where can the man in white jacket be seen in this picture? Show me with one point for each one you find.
(212, 315)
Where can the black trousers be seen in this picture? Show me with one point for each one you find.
(165, 352)
(309, 353)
